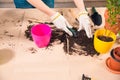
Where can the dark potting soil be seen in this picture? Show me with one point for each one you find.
(105, 38)
(28, 33)
(80, 45)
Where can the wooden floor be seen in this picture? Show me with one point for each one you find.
(21, 59)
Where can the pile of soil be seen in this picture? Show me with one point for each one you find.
(80, 45)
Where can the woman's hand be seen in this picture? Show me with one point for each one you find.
(60, 22)
(85, 23)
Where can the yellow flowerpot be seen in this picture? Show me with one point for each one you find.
(101, 46)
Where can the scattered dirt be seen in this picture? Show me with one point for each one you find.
(105, 38)
(28, 33)
(6, 33)
(32, 50)
(18, 21)
(80, 45)
(10, 35)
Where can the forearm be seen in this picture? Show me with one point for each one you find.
(42, 7)
(80, 4)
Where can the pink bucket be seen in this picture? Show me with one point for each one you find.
(41, 34)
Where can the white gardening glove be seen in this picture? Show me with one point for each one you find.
(85, 23)
(60, 22)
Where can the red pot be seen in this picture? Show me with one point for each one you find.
(116, 53)
(114, 63)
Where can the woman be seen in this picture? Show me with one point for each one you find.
(58, 20)
(26, 4)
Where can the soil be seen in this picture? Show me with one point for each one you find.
(80, 45)
(105, 38)
(28, 33)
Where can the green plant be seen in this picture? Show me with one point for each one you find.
(113, 7)
(113, 13)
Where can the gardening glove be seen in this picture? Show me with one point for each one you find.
(85, 23)
(60, 22)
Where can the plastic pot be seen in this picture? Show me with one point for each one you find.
(114, 63)
(41, 34)
(116, 53)
(101, 46)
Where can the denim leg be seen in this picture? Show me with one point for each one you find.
(22, 4)
(50, 3)
(25, 4)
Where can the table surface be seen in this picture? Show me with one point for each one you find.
(17, 62)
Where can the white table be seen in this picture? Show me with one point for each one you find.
(18, 63)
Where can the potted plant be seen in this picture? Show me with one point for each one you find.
(105, 38)
(112, 16)
(113, 62)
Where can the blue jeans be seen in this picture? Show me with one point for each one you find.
(25, 4)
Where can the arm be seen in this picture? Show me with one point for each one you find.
(83, 18)
(58, 20)
(80, 5)
(42, 7)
